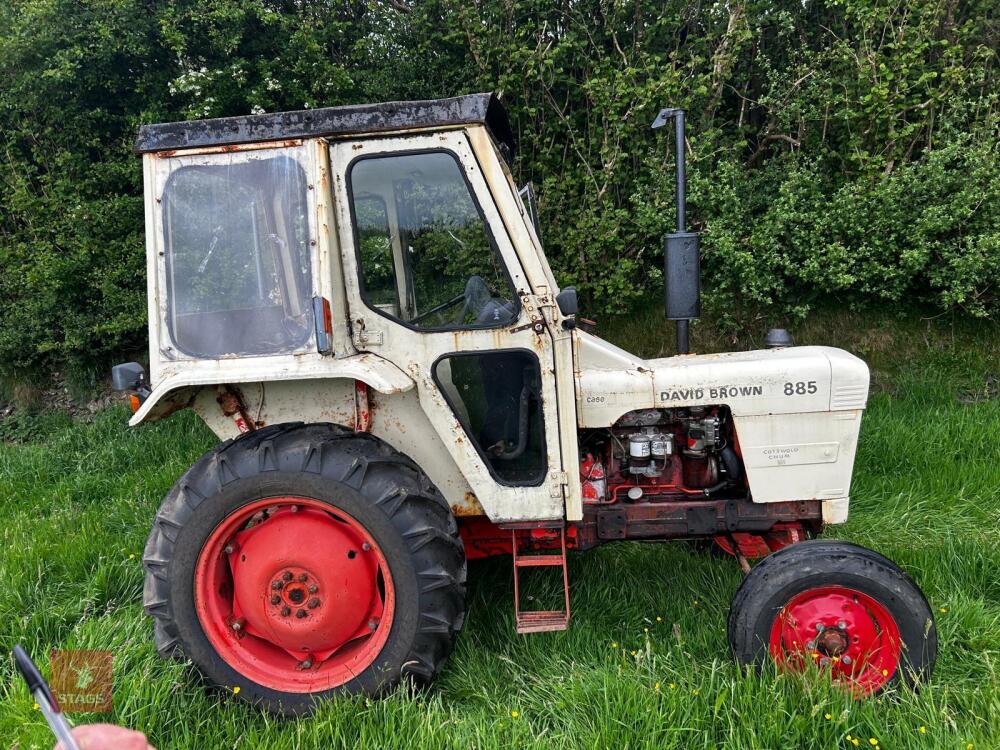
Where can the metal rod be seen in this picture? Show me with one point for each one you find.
(681, 183)
(683, 344)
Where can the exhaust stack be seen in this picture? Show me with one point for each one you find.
(681, 257)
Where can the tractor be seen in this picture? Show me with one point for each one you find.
(356, 301)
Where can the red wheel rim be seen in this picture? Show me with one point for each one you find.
(842, 630)
(294, 594)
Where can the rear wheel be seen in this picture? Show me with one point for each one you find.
(305, 560)
(846, 609)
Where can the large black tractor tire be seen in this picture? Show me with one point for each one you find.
(343, 475)
(813, 602)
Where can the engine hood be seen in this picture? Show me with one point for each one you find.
(612, 382)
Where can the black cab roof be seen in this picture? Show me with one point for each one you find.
(484, 109)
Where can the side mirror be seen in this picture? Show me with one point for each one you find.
(569, 306)
(129, 377)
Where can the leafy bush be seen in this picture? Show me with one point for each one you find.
(839, 149)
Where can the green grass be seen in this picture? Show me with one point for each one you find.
(77, 500)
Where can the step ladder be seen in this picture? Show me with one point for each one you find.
(539, 621)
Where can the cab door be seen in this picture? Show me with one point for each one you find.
(434, 285)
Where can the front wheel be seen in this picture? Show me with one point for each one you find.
(843, 608)
(305, 560)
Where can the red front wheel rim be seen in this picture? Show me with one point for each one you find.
(842, 630)
(294, 594)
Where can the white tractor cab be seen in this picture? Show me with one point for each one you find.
(357, 302)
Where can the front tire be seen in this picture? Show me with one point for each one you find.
(842, 607)
(302, 561)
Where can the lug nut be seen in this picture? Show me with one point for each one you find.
(286, 576)
(841, 624)
(306, 664)
(372, 624)
(811, 645)
(845, 659)
(313, 603)
(313, 588)
(229, 549)
(819, 627)
(824, 662)
(275, 599)
(294, 508)
(286, 610)
(303, 578)
(300, 614)
(237, 625)
(366, 546)
(276, 585)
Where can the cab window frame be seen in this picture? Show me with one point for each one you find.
(491, 237)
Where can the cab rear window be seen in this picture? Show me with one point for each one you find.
(236, 239)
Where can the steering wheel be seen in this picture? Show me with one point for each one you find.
(443, 306)
(476, 298)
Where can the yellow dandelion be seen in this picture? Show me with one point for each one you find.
(873, 741)
(922, 730)
(132, 556)
(695, 691)
(614, 645)
(969, 746)
(514, 714)
(659, 619)
(656, 687)
(855, 742)
(632, 652)
(37, 707)
(828, 716)
(696, 602)
(942, 610)
(645, 630)
(849, 738)
(672, 686)
(236, 690)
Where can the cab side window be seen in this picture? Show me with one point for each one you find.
(425, 253)
(236, 237)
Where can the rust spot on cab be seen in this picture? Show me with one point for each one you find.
(468, 506)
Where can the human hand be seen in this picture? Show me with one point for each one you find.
(108, 737)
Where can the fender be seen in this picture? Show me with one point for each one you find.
(178, 391)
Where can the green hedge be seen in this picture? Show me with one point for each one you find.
(839, 150)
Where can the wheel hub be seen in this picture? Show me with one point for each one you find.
(295, 590)
(832, 642)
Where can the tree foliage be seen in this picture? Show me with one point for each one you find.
(838, 149)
